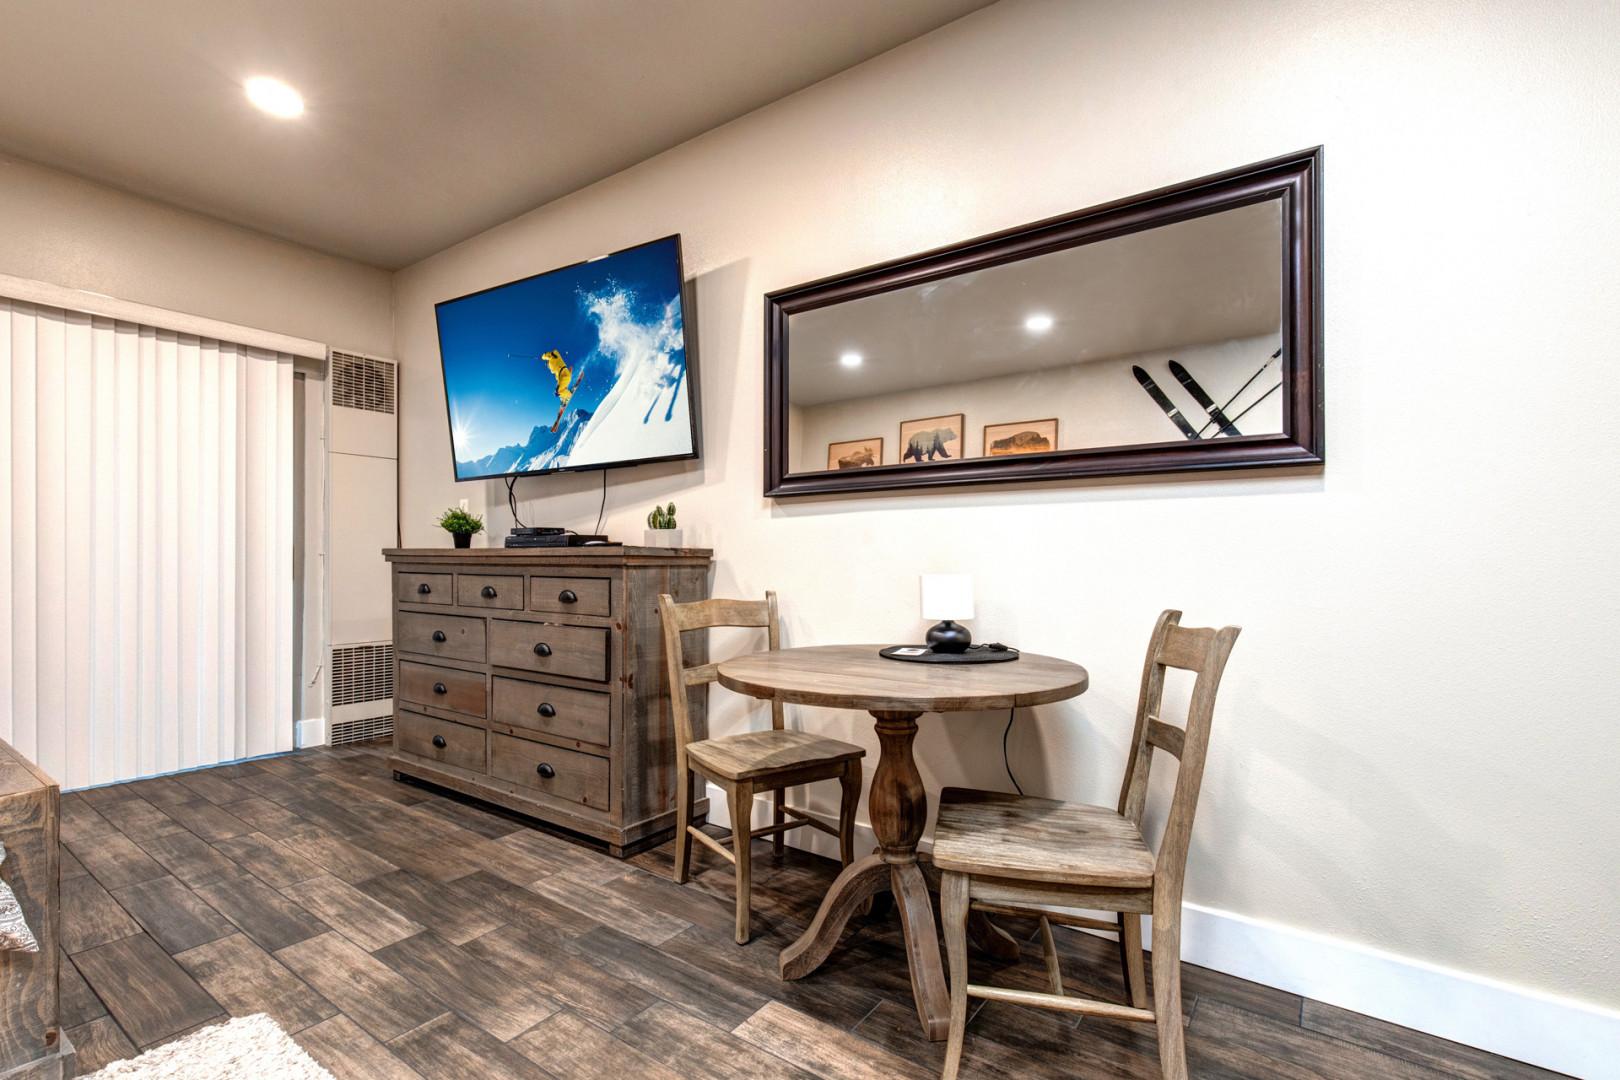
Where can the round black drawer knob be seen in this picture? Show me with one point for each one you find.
(547, 709)
(440, 688)
(542, 649)
(568, 596)
(438, 742)
(438, 635)
(423, 589)
(487, 592)
(546, 771)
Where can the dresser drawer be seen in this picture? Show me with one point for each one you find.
(443, 688)
(490, 591)
(552, 710)
(564, 774)
(571, 596)
(440, 740)
(455, 636)
(412, 588)
(580, 652)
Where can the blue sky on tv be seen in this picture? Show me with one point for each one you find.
(497, 387)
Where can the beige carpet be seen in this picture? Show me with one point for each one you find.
(248, 1047)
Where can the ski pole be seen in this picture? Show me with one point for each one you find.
(1257, 401)
(1242, 388)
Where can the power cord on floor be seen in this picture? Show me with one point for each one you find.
(1012, 714)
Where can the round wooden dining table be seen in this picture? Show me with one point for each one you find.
(896, 693)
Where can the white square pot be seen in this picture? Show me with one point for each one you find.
(669, 538)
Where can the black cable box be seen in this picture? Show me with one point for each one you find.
(560, 539)
(537, 530)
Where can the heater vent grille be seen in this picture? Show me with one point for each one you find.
(362, 673)
(353, 731)
(361, 382)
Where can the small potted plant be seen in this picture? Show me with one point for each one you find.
(461, 525)
(661, 528)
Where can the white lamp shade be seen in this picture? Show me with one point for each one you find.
(947, 596)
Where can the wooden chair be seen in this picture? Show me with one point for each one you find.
(750, 763)
(1009, 854)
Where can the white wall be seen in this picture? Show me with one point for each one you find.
(1416, 747)
(1096, 403)
(71, 232)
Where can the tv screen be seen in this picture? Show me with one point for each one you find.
(577, 368)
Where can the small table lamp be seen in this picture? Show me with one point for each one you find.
(948, 597)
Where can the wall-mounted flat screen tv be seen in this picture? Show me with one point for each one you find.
(583, 367)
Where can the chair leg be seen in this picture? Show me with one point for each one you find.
(1167, 993)
(847, 804)
(683, 820)
(779, 841)
(1054, 972)
(1130, 953)
(953, 911)
(742, 824)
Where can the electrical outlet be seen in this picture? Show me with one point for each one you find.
(464, 504)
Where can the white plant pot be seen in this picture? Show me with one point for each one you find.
(669, 538)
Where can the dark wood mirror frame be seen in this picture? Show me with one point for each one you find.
(1295, 179)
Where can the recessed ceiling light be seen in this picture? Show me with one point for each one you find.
(1038, 323)
(852, 359)
(274, 97)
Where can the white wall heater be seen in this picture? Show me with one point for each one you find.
(362, 519)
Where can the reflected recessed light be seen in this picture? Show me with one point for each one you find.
(1038, 324)
(852, 359)
(274, 97)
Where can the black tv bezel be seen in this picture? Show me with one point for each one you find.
(686, 348)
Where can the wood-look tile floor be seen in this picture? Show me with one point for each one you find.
(399, 932)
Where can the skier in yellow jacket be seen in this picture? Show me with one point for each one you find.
(564, 375)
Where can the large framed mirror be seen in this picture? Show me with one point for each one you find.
(1176, 331)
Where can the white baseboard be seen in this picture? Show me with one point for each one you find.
(311, 733)
(1527, 1025)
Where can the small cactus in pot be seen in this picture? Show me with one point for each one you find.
(662, 517)
(661, 528)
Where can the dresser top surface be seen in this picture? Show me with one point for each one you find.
(604, 553)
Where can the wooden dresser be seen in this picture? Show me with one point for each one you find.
(535, 679)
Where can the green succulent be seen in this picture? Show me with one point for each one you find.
(662, 517)
(460, 522)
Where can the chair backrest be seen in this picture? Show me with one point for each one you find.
(1204, 652)
(701, 615)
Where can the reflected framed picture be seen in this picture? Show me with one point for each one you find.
(855, 454)
(932, 438)
(1022, 437)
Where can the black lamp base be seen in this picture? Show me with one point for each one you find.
(949, 637)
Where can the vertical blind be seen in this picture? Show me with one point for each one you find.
(146, 564)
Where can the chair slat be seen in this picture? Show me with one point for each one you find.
(703, 837)
(1166, 736)
(1187, 648)
(703, 673)
(703, 614)
(1084, 1006)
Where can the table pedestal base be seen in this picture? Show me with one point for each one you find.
(899, 807)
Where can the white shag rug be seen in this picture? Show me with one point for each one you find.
(249, 1047)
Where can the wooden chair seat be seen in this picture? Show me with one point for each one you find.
(755, 754)
(1017, 836)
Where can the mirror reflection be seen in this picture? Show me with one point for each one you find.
(1168, 334)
